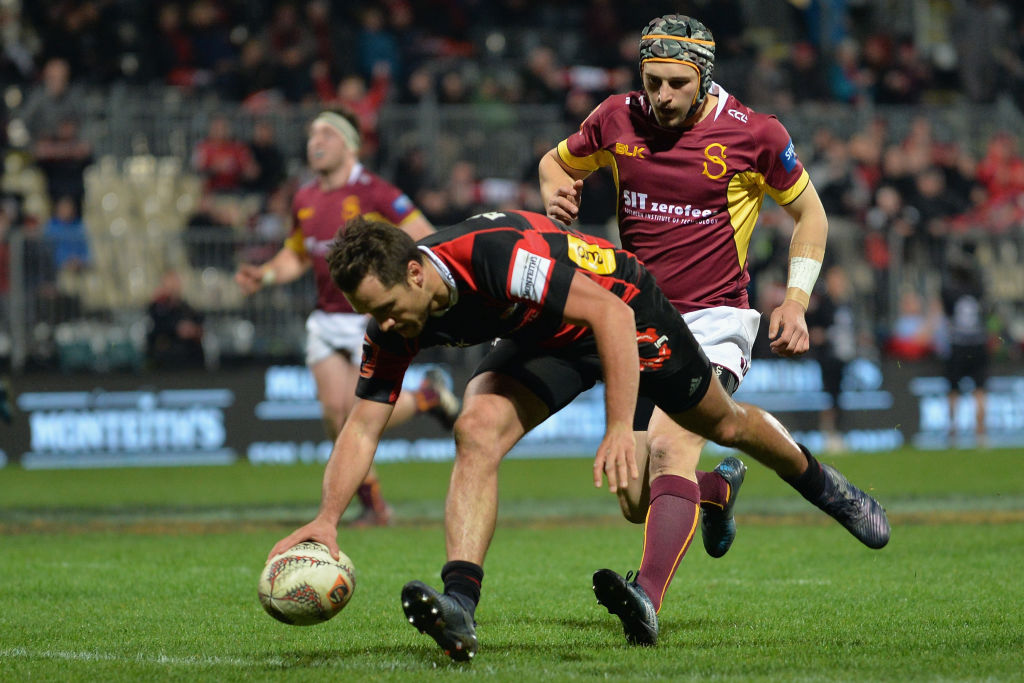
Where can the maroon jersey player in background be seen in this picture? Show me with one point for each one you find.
(692, 166)
(344, 189)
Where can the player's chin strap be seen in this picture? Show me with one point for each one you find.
(804, 265)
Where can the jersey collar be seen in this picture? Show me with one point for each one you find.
(446, 276)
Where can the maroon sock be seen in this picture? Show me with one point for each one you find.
(671, 522)
(714, 489)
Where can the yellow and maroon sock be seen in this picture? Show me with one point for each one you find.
(671, 522)
(714, 489)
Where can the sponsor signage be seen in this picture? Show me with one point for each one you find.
(269, 415)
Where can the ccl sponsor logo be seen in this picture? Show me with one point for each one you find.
(640, 201)
(599, 260)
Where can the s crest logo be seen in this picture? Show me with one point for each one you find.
(350, 207)
(715, 155)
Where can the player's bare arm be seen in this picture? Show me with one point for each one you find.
(614, 327)
(350, 460)
(560, 188)
(787, 326)
(417, 226)
(285, 266)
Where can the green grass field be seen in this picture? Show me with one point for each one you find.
(151, 575)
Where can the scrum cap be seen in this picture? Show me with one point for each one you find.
(683, 40)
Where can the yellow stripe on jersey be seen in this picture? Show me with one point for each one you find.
(744, 197)
(591, 162)
(415, 214)
(783, 197)
(296, 242)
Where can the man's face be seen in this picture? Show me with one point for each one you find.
(670, 88)
(402, 308)
(326, 150)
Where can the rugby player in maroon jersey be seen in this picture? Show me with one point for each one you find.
(343, 189)
(693, 165)
(567, 310)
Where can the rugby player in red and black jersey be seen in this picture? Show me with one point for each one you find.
(693, 165)
(567, 310)
(343, 189)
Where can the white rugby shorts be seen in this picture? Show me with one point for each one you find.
(328, 333)
(726, 334)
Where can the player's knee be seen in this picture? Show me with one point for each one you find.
(475, 432)
(725, 432)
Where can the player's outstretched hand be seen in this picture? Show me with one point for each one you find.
(317, 530)
(565, 205)
(788, 330)
(249, 278)
(616, 458)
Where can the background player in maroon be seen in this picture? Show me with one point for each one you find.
(569, 310)
(692, 166)
(343, 189)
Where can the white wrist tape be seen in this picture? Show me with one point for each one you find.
(803, 273)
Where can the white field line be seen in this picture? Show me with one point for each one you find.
(169, 660)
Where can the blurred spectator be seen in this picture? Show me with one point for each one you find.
(257, 78)
(224, 162)
(981, 28)
(963, 302)
(210, 233)
(216, 57)
(412, 173)
(268, 158)
(63, 157)
(19, 45)
(54, 99)
(175, 338)
(66, 234)
(913, 333)
(833, 335)
(542, 76)
(6, 223)
(353, 95)
(1001, 170)
(887, 217)
(376, 45)
(848, 81)
(806, 75)
(173, 56)
(935, 206)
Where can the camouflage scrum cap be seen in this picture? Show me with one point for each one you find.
(683, 40)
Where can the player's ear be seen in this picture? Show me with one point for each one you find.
(415, 273)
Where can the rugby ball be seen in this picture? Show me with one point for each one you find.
(305, 585)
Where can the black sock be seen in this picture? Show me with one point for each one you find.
(462, 581)
(811, 483)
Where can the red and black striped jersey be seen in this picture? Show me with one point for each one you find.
(689, 199)
(317, 215)
(509, 274)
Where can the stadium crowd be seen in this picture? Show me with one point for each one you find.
(905, 196)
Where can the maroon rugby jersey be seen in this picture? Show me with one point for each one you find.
(317, 216)
(510, 273)
(689, 200)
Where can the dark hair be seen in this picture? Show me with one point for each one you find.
(364, 247)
